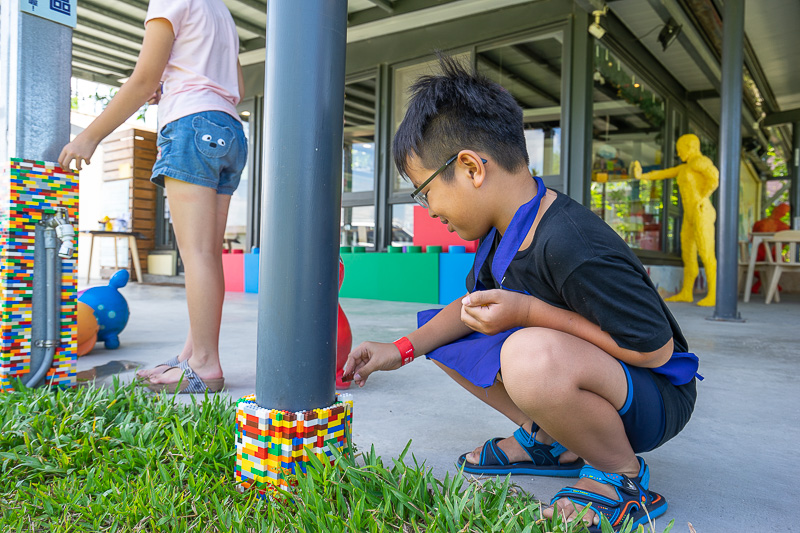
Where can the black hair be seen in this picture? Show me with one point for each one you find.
(458, 110)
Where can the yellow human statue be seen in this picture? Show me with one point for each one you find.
(697, 178)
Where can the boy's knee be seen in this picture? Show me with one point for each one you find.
(531, 356)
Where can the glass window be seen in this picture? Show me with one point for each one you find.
(358, 226)
(236, 228)
(404, 77)
(402, 224)
(531, 72)
(628, 126)
(358, 161)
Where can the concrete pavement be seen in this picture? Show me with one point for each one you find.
(731, 469)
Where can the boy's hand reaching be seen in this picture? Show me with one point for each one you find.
(490, 312)
(369, 357)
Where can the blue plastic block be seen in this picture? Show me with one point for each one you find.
(251, 272)
(453, 270)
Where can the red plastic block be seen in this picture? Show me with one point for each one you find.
(431, 232)
(233, 267)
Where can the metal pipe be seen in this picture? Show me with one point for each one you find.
(730, 145)
(298, 276)
(50, 342)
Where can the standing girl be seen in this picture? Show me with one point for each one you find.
(189, 66)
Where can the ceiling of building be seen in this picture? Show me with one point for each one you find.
(107, 38)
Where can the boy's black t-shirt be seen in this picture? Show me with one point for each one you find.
(577, 262)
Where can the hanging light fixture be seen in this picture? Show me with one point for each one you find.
(669, 33)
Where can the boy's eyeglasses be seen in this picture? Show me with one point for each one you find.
(422, 199)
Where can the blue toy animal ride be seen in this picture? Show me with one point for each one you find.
(110, 308)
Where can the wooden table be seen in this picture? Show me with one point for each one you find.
(130, 235)
(757, 239)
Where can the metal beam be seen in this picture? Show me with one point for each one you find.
(298, 276)
(536, 58)
(515, 76)
(106, 44)
(94, 53)
(352, 89)
(103, 11)
(386, 5)
(782, 117)
(112, 69)
(704, 94)
(730, 146)
(261, 7)
(91, 75)
(134, 39)
(357, 103)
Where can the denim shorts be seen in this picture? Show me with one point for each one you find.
(207, 149)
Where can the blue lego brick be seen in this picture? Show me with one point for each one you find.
(251, 272)
(453, 270)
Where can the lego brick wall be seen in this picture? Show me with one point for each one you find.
(29, 190)
(272, 445)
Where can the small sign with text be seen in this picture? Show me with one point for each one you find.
(60, 11)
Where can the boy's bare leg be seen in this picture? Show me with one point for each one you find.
(497, 397)
(573, 390)
(199, 218)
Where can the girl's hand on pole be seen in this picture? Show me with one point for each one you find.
(368, 357)
(490, 312)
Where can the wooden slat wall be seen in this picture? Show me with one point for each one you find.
(130, 155)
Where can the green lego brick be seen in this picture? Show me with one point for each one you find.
(395, 277)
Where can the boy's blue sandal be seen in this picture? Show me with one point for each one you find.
(543, 459)
(634, 499)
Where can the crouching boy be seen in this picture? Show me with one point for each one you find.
(561, 331)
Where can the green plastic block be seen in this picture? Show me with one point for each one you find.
(395, 277)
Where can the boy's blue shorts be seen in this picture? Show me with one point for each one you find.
(655, 409)
(207, 149)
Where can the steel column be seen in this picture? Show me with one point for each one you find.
(298, 277)
(730, 145)
(794, 188)
(34, 107)
(576, 98)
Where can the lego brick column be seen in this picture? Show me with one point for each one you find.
(272, 445)
(28, 190)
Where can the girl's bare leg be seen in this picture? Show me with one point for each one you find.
(199, 217)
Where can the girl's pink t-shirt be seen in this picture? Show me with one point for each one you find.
(201, 74)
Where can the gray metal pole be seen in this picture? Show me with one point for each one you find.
(795, 176)
(730, 145)
(577, 95)
(35, 70)
(298, 277)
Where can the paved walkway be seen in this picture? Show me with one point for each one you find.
(733, 468)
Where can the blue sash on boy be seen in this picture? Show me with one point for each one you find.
(477, 356)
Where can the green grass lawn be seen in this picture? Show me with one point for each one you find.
(119, 459)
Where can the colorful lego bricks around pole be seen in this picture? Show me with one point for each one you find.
(272, 445)
(29, 190)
